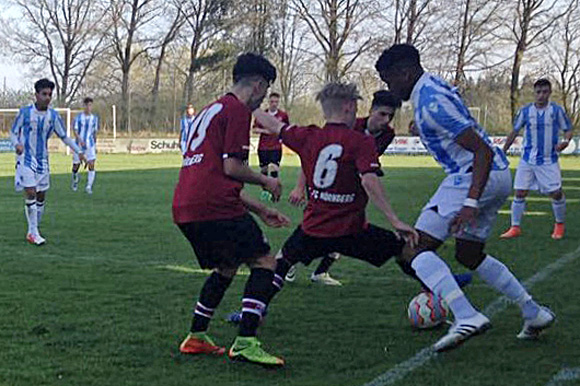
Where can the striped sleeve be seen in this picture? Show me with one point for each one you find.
(446, 114)
(563, 120)
(58, 125)
(17, 128)
(519, 121)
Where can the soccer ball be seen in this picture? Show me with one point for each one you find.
(427, 310)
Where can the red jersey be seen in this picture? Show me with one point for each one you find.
(333, 158)
(204, 192)
(382, 139)
(272, 142)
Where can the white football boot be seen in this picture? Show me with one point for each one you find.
(324, 278)
(533, 327)
(291, 275)
(35, 239)
(461, 331)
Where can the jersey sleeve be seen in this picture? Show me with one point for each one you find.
(237, 133)
(286, 119)
(563, 120)
(366, 159)
(519, 121)
(97, 123)
(295, 136)
(58, 125)
(77, 124)
(446, 113)
(17, 127)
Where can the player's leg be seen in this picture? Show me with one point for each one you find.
(31, 212)
(471, 254)
(40, 205)
(321, 274)
(91, 176)
(435, 274)
(264, 161)
(524, 180)
(75, 172)
(214, 251)
(550, 182)
(559, 209)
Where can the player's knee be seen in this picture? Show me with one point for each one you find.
(267, 262)
(557, 195)
(469, 254)
(521, 194)
(227, 272)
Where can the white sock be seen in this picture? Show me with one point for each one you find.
(559, 208)
(91, 178)
(518, 209)
(39, 211)
(436, 275)
(31, 211)
(498, 276)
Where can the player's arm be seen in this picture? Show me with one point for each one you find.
(482, 161)
(15, 131)
(269, 216)
(269, 124)
(372, 185)
(61, 133)
(567, 127)
(297, 195)
(518, 124)
(237, 169)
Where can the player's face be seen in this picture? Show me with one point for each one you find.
(190, 111)
(380, 117)
(43, 98)
(399, 82)
(274, 103)
(89, 108)
(542, 94)
(260, 88)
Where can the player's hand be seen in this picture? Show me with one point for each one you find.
(19, 149)
(262, 130)
(407, 232)
(274, 218)
(274, 186)
(465, 217)
(297, 197)
(561, 146)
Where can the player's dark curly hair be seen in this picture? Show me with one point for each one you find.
(251, 65)
(397, 56)
(42, 84)
(385, 98)
(88, 100)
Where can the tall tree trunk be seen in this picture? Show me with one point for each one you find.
(459, 67)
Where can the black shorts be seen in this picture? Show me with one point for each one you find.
(268, 157)
(374, 245)
(226, 243)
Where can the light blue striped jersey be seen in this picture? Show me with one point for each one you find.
(542, 128)
(186, 125)
(32, 129)
(86, 127)
(441, 116)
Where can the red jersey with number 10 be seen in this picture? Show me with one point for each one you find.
(204, 192)
(333, 159)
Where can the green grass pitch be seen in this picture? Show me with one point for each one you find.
(109, 298)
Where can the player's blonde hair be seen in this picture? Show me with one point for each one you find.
(334, 94)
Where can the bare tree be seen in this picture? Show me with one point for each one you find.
(528, 29)
(333, 23)
(411, 17)
(176, 22)
(205, 18)
(288, 54)
(127, 18)
(64, 36)
(565, 56)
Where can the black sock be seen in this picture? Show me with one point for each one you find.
(210, 297)
(325, 264)
(257, 294)
(274, 174)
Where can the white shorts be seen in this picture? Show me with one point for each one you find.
(27, 178)
(545, 178)
(448, 201)
(90, 154)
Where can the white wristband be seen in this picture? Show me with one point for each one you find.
(471, 202)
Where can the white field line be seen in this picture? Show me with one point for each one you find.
(403, 369)
(565, 375)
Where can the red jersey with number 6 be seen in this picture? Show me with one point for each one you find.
(204, 192)
(333, 159)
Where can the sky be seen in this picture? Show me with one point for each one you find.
(12, 73)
